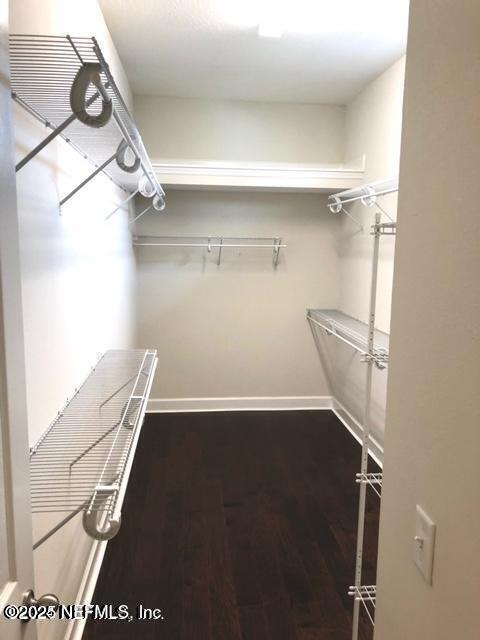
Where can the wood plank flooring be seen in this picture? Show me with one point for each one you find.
(239, 526)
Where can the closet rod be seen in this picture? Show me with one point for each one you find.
(213, 242)
(366, 195)
(212, 245)
(377, 188)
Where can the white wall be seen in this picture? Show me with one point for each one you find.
(433, 438)
(240, 131)
(238, 330)
(77, 278)
(373, 127)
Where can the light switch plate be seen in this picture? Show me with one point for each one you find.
(424, 544)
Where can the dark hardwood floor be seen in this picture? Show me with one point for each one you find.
(239, 526)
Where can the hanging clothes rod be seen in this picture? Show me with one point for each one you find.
(370, 190)
(366, 194)
(213, 242)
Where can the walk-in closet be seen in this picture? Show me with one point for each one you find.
(239, 320)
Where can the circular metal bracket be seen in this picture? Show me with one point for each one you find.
(146, 187)
(89, 73)
(369, 198)
(158, 203)
(335, 206)
(92, 526)
(120, 158)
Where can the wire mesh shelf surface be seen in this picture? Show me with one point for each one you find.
(352, 331)
(43, 69)
(373, 480)
(79, 463)
(366, 595)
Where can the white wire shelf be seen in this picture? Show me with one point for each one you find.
(82, 462)
(373, 480)
(366, 595)
(352, 332)
(213, 242)
(43, 71)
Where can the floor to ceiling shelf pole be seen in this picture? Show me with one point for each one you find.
(366, 426)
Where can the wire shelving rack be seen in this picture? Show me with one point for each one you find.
(373, 345)
(49, 76)
(351, 332)
(82, 462)
(365, 596)
(209, 243)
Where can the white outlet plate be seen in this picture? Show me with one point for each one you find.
(424, 544)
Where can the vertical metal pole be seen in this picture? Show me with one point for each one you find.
(220, 252)
(276, 251)
(366, 426)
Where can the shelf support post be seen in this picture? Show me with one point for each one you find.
(276, 251)
(220, 244)
(87, 180)
(122, 204)
(366, 428)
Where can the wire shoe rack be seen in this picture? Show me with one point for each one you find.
(66, 84)
(82, 462)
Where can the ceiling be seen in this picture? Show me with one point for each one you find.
(329, 49)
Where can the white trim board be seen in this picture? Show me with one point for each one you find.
(267, 403)
(260, 176)
(356, 429)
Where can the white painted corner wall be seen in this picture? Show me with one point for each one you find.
(77, 282)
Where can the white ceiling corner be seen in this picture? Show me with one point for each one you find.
(211, 48)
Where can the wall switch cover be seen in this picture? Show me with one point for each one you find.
(424, 544)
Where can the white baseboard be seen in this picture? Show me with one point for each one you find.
(269, 403)
(356, 429)
(274, 403)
